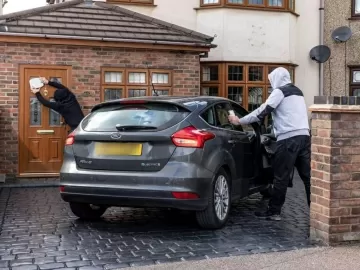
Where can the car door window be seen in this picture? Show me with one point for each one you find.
(209, 117)
(241, 112)
(222, 114)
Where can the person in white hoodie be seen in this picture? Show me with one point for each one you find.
(287, 105)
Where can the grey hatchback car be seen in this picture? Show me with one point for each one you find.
(171, 152)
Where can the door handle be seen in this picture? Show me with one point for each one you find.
(231, 141)
(43, 132)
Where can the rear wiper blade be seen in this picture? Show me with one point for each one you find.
(133, 127)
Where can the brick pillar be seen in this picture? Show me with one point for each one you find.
(335, 208)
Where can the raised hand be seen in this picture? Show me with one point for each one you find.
(35, 90)
(44, 80)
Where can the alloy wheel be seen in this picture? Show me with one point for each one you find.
(221, 197)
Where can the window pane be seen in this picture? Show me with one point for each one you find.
(256, 73)
(210, 91)
(256, 2)
(292, 4)
(113, 77)
(356, 92)
(235, 73)
(160, 116)
(210, 73)
(112, 94)
(137, 77)
(276, 3)
(240, 112)
(255, 97)
(356, 76)
(160, 78)
(209, 117)
(222, 114)
(137, 92)
(35, 112)
(235, 93)
(54, 117)
(160, 92)
(240, 2)
(206, 2)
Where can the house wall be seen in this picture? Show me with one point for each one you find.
(252, 35)
(86, 64)
(337, 73)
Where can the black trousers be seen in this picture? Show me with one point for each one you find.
(295, 151)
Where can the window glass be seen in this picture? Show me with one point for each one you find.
(210, 91)
(357, 7)
(222, 114)
(256, 2)
(207, 2)
(241, 112)
(210, 73)
(209, 116)
(157, 115)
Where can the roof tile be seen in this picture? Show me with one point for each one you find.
(99, 20)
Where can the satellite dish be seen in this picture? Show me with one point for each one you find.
(341, 34)
(320, 53)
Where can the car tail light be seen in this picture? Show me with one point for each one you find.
(191, 137)
(70, 139)
(62, 188)
(185, 195)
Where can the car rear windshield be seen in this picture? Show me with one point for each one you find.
(157, 116)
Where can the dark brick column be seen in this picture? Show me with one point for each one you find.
(335, 208)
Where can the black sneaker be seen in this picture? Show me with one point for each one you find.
(269, 215)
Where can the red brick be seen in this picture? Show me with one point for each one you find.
(349, 202)
(337, 212)
(86, 63)
(339, 229)
(340, 194)
(355, 228)
(325, 133)
(349, 220)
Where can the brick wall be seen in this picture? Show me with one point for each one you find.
(86, 64)
(335, 208)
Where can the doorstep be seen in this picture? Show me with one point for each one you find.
(14, 182)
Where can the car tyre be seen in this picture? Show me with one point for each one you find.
(217, 212)
(87, 211)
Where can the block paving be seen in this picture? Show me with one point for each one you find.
(38, 231)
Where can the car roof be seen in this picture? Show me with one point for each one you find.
(188, 102)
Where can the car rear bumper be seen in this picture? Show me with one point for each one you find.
(130, 198)
(153, 189)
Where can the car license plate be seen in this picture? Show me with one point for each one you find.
(118, 149)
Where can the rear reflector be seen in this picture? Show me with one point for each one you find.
(62, 188)
(191, 137)
(185, 195)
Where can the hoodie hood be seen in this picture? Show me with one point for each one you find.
(64, 97)
(279, 77)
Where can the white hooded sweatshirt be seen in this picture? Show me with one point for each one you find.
(287, 105)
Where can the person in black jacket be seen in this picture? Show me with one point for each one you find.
(65, 103)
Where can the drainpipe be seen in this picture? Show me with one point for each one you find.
(321, 67)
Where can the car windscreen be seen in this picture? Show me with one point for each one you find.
(134, 117)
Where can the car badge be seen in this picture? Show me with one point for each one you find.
(115, 136)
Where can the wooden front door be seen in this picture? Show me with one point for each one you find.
(42, 132)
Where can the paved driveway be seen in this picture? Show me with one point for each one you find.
(39, 232)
